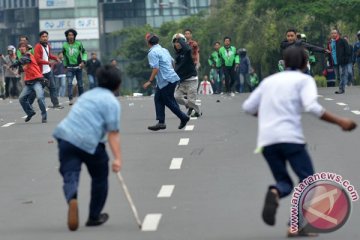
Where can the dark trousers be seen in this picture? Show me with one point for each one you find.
(14, 91)
(165, 97)
(277, 155)
(229, 73)
(71, 158)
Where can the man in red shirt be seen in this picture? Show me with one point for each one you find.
(194, 48)
(33, 79)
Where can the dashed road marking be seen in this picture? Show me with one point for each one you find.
(151, 222)
(24, 116)
(166, 191)
(341, 104)
(193, 118)
(184, 141)
(328, 99)
(356, 112)
(176, 163)
(189, 127)
(8, 124)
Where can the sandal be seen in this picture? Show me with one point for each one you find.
(270, 206)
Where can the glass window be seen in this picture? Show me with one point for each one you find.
(56, 14)
(86, 12)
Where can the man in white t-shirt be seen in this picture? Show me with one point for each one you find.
(280, 133)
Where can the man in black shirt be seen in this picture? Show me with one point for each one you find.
(91, 66)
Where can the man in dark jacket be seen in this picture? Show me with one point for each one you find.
(92, 66)
(186, 70)
(340, 55)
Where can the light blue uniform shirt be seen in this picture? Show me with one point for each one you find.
(95, 113)
(333, 51)
(161, 59)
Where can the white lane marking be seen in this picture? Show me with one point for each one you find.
(151, 222)
(24, 116)
(341, 104)
(193, 118)
(356, 112)
(166, 191)
(198, 100)
(8, 124)
(176, 163)
(184, 141)
(189, 127)
(320, 96)
(328, 99)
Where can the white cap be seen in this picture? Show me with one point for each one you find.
(180, 35)
(11, 48)
(358, 33)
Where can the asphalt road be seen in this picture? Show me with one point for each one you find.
(215, 191)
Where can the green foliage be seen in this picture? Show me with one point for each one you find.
(320, 81)
(259, 26)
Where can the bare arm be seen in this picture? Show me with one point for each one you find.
(115, 146)
(345, 123)
(152, 77)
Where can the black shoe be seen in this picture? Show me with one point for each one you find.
(340, 92)
(73, 215)
(71, 102)
(158, 126)
(196, 114)
(44, 120)
(270, 206)
(96, 222)
(29, 116)
(183, 123)
(56, 106)
(189, 111)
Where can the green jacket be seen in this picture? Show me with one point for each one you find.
(19, 55)
(74, 54)
(229, 57)
(215, 59)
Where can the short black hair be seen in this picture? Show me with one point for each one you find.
(217, 42)
(295, 58)
(154, 40)
(23, 36)
(227, 38)
(43, 32)
(291, 30)
(109, 77)
(187, 30)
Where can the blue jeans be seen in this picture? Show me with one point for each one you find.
(92, 81)
(26, 96)
(70, 74)
(277, 155)
(61, 85)
(52, 88)
(341, 72)
(165, 97)
(71, 158)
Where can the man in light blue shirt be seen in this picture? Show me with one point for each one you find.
(81, 138)
(161, 63)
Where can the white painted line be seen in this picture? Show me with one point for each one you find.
(193, 118)
(189, 127)
(184, 141)
(198, 100)
(8, 124)
(151, 222)
(166, 191)
(328, 99)
(176, 163)
(356, 112)
(320, 96)
(47, 109)
(24, 116)
(341, 104)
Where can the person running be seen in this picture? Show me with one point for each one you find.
(185, 69)
(43, 55)
(92, 65)
(12, 76)
(280, 132)
(230, 60)
(81, 139)
(75, 58)
(33, 79)
(166, 80)
(195, 48)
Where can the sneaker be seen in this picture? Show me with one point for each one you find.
(183, 123)
(158, 126)
(71, 102)
(270, 206)
(232, 94)
(44, 120)
(340, 92)
(189, 112)
(58, 106)
(73, 215)
(196, 114)
(29, 116)
(99, 221)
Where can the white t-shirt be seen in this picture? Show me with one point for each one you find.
(45, 68)
(279, 101)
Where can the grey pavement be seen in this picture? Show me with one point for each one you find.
(219, 189)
